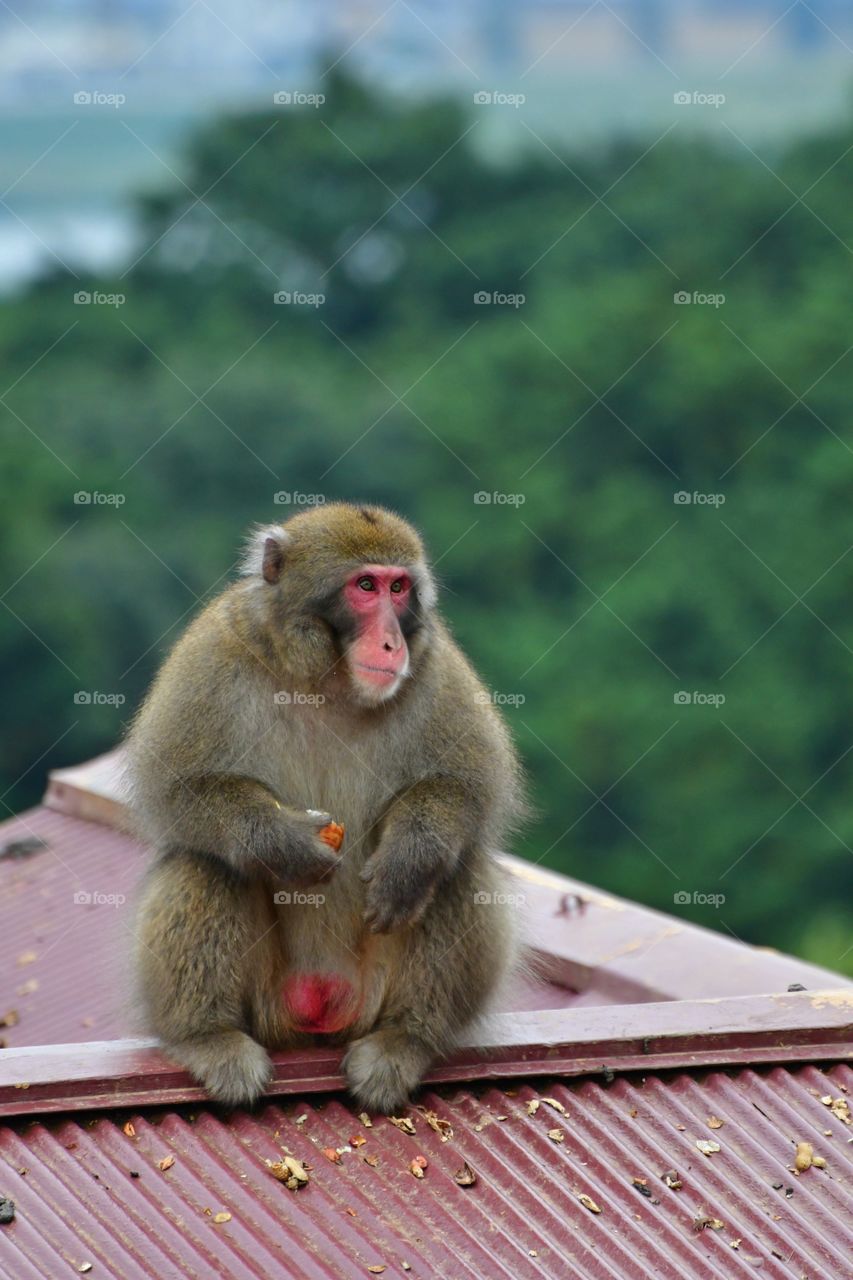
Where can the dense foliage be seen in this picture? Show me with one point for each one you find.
(589, 606)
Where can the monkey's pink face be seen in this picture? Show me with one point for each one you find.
(377, 597)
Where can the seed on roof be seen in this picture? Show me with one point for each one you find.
(803, 1158)
(84, 1267)
(714, 1122)
(556, 1135)
(376, 1271)
(221, 1217)
(443, 1128)
(465, 1177)
(558, 1106)
(589, 1203)
(165, 1163)
(704, 1220)
(290, 1171)
(128, 1130)
(27, 957)
(403, 1123)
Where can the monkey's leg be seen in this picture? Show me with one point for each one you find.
(442, 972)
(198, 966)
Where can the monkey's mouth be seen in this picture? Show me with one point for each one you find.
(379, 675)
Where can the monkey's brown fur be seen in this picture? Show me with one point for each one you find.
(222, 772)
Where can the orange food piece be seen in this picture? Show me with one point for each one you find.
(332, 835)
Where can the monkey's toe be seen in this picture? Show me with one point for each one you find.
(384, 1068)
(233, 1067)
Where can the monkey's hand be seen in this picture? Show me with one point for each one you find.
(402, 877)
(296, 854)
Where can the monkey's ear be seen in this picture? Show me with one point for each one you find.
(264, 554)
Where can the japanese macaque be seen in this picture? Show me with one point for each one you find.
(322, 685)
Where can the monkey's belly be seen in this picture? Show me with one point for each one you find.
(321, 1003)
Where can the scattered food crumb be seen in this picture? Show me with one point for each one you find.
(589, 1203)
(558, 1106)
(373, 1161)
(221, 1217)
(376, 1271)
(290, 1171)
(300, 1120)
(165, 1163)
(714, 1122)
(803, 1158)
(27, 988)
(358, 1140)
(403, 1123)
(27, 957)
(704, 1220)
(443, 1128)
(10, 1019)
(708, 1148)
(7, 1211)
(84, 1267)
(128, 1130)
(556, 1135)
(533, 1106)
(365, 1120)
(418, 1165)
(465, 1177)
(642, 1186)
(673, 1181)
(331, 1154)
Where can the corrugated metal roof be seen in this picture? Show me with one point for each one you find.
(77, 1202)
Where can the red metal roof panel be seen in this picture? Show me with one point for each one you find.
(77, 1201)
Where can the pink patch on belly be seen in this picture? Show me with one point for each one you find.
(321, 1003)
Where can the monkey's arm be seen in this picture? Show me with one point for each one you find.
(424, 833)
(244, 823)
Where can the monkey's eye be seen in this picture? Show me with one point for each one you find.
(366, 584)
(397, 586)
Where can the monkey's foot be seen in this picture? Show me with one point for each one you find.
(383, 1068)
(231, 1066)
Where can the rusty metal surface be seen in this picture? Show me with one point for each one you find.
(77, 1202)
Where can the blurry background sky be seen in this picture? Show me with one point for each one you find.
(568, 284)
